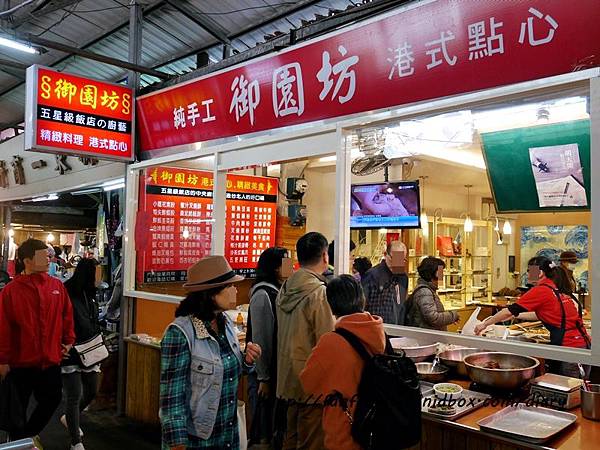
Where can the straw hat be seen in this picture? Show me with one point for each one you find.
(568, 256)
(210, 272)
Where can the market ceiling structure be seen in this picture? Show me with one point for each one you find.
(178, 37)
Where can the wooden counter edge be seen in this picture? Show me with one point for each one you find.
(583, 430)
(144, 344)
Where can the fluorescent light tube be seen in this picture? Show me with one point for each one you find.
(113, 187)
(17, 46)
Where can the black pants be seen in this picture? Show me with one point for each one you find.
(46, 387)
(80, 390)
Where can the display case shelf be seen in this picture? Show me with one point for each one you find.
(471, 270)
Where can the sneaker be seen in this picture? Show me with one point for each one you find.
(63, 420)
(77, 447)
(37, 443)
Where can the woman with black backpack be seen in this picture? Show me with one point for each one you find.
(80, 383)
(262, 330)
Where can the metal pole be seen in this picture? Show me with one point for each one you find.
(343, 177)
(6, 236)
(219, 209)
(3, 234)
(36, 40)
(127, 303)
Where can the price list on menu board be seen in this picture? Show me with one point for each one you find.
(174, 222)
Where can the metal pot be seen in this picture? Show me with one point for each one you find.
(454, 359)
(424, 370)
(514, 371)
(412, 349)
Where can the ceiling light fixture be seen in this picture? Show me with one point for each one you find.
(114, 186)
(46, 198)
(113, 182)
(468, 222)
(506, 229)
(87, 191)
(17, 46)
(424, 218)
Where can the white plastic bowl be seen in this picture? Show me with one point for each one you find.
(447, 395)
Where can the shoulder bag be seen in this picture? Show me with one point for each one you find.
(94, 350)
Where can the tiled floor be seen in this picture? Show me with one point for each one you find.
(104, 430)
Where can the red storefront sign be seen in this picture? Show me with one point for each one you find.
(174, 223)
(438, 49)
(68, 114)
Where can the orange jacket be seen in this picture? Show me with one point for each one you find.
(334, 366)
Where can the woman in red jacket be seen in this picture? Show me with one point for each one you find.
(553, 302)
(334, 367)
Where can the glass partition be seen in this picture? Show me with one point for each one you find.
(500, 183)
(173, 223)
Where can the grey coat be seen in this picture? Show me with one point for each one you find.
(427, 310)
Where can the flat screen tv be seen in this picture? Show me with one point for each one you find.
(385, 205)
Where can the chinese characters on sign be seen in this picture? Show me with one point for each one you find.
(74, 115)
(397, 59)
(178, 203)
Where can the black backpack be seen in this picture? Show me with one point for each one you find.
(388, 408)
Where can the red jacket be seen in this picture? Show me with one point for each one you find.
(36, 317)
(335, 366)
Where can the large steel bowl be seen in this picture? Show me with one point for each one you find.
(413, 349)
(424, 370)
(514, 371)
(454, 359)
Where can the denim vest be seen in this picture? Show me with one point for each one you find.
(203, 390)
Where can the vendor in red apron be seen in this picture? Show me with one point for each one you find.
(553, 302)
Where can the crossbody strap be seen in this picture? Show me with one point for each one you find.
(578, 325)
(563, 320)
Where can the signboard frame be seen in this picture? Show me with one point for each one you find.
(31, 120)
(241, 190)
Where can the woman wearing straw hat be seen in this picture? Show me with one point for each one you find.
(201, 362)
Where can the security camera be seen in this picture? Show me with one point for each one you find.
(406, 161)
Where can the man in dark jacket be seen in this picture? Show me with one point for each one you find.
(386, 285)
(36, 332)
(329, 273)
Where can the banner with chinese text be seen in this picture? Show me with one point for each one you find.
(68, 114)
(174, 221)
(423, 51)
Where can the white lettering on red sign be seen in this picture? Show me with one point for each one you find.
(286, 100)
(343, 72)
(528, 27)
(439, 46)
(245, 99)
(209, 117)
(480, 44)
(402, 61)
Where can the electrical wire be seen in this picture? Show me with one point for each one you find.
(8, 12)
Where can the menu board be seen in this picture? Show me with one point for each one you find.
(175, 218)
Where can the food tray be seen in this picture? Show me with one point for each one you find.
(531, 424)
(427, 392)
